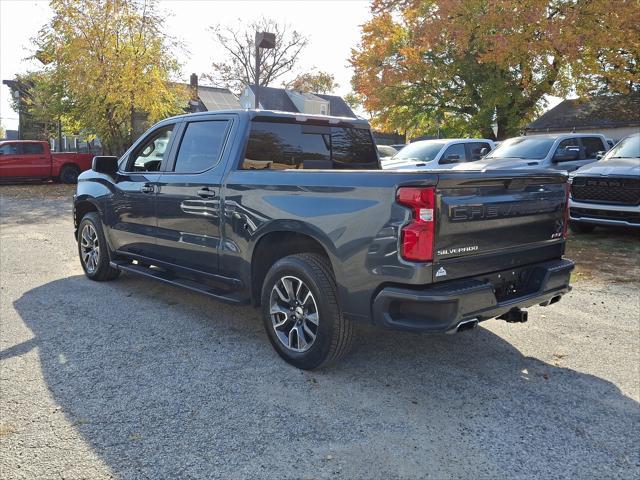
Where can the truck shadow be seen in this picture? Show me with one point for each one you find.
(165, 383)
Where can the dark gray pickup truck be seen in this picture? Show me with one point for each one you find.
(293, 214)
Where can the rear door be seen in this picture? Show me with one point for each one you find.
(494, 221)
(188, 196)
(36, 160)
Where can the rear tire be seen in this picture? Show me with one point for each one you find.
(578, 227)
(69, 174)
(93, 249)
(301, 313)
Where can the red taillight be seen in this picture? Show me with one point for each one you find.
(416, 238)
(565, 224)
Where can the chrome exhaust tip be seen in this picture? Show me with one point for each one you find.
(464, 325)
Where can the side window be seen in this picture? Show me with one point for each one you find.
(33, 148)
(10, 149)
(149, 156)
(592, 145)
(454, 154)
(478, 150)
(279, 146)
(201, 146)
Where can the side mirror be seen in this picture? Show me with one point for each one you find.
(484, 151)
(450, 159)
(599, 155)
(567, 154)
(105, 164)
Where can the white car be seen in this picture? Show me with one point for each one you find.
(607, 192)
(440, 153)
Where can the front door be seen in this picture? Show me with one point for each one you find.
(188, 196)
(132, 216)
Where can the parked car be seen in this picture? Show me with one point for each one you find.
(607, 192)
(441, 153)
(32, 160)
(386, 151)
(558, 151)
(293, 214)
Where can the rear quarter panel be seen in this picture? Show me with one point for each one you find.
(81, 160)
(352, 214)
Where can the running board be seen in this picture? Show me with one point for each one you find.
(171, 279)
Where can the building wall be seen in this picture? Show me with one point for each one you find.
(247, 98)
(614, 133)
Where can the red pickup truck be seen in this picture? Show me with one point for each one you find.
(30, 160)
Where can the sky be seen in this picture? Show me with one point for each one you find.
(332, 26)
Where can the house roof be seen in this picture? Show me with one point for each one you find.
(595, 112)
(277, 99)
(215, 98)
(337, 105)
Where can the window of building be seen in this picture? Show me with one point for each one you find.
(201, 146)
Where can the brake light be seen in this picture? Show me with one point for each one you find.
(416, 238)
(565, 224)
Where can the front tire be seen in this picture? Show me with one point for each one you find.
(578, 227)
(93, 249)
(301, 313)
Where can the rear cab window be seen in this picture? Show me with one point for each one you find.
(276, 145)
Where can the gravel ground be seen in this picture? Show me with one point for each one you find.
(134, 379)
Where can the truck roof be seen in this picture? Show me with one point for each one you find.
(278, 114)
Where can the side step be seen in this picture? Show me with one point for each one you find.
(171, 279)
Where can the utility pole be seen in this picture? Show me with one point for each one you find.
(263, 40)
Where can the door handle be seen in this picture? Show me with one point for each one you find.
(147, 188)
(206, 192)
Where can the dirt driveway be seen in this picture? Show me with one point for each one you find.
(133, 379)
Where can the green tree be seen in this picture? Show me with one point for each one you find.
(459, 65)
(313, 82)
(106, 63)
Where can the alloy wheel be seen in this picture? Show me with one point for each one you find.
(89, 248)
(294, 314)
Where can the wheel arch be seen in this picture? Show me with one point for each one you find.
(279, 242)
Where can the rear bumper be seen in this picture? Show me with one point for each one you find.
(440, 308)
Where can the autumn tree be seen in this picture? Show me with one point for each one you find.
(237, 69)
(313, 82)
(108, 63)
(460, 65)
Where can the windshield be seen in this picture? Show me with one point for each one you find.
(424, 151)
(627, 148)
(535, 148)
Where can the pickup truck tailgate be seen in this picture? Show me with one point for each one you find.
(492, 221)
